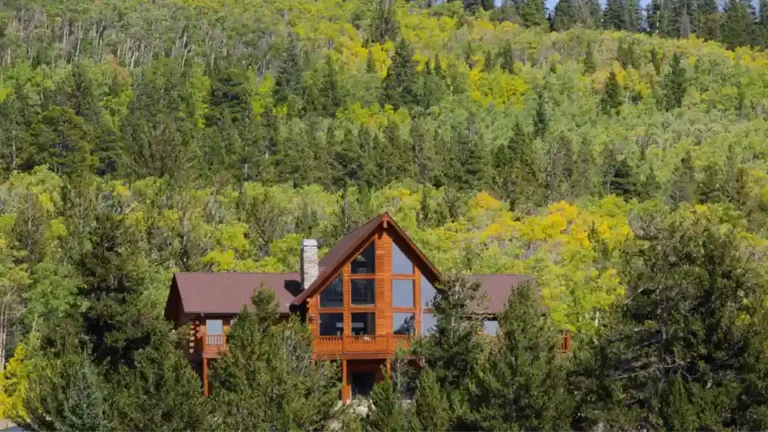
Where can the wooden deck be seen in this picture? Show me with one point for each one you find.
(327, 346)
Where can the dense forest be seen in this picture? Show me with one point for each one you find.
(618, 155)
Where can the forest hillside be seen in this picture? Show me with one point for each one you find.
(142, 138)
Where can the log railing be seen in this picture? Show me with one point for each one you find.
(330, 345)
(213, 344)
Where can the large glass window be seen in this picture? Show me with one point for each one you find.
(403, 323)
(428, 322)
(214, 327)
(427, 293)
(365, 263)
(331, 324)
(491, 327)
(363, 323)
(400, 263)
(402, 293)
(333, 294)
(363, 291)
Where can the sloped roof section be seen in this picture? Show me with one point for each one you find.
(342, 252)
(498, 288)
(227, 293)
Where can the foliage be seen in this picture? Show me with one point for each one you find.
(303, 393)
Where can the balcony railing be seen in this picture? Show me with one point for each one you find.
(375, 344)
(213, 344)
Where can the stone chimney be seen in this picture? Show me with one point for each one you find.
(309, 263)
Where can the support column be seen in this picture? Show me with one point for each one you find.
(205, 377)
(345, 396)
(389, 366)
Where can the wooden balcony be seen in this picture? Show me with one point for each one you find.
(213, 345)
(365, 344)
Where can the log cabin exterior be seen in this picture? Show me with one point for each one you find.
(368, 296)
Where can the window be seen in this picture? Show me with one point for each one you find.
(402, 293)
(363, 291)
(427, 293)
(365, 263)
(214, 327)
(333, 294)
(428, 322)
(491, 327)
(403, 323)
(331, 324)
(400, 263)
(363, 323)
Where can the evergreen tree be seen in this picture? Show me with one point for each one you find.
(507, 58)
(388, 412)
(626, 54)
(172, 390)
(590, 65)
(614, 15)
(400, 82)
(85, 406)
(431, 407)
(564, 16)
(632, 16)
(540, 117)
(707, 20)
(520, 387)
(683, 185)
(264, 354)
(656, 61)
(288, 83)
(677, 352)
(738, 24)
(384, 25)
(612, 98)
(452, 351)
(675, 84)
(532, 13)
(490, 62)
(516, 177)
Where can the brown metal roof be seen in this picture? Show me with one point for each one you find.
(227, 293)
(498, 288)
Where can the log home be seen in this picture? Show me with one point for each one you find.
(368, 296)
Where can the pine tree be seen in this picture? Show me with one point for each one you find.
(632, 16)
(532, 13)
(384, 25)
(431, 407)
(172, 390)
(490, 62)
(564, 16)
(675, 84)
(626, 54)
(540, 117)
(388, 412)
(520, 387)
(707, 19)
(263, 353)
(689, 280)
(516, 178)
(656, 61)
(288, 86)
(683, 185)
(370, 63)
(400, 82)
(612, 98)
(85, 407)
(452, 350)
(738, 24)
(614, 15)
(507, 58)
(590, 65)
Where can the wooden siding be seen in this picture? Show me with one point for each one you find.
(383, 343)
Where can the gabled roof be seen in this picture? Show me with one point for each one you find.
(343, 252)
(227, 293)
(498, 288)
